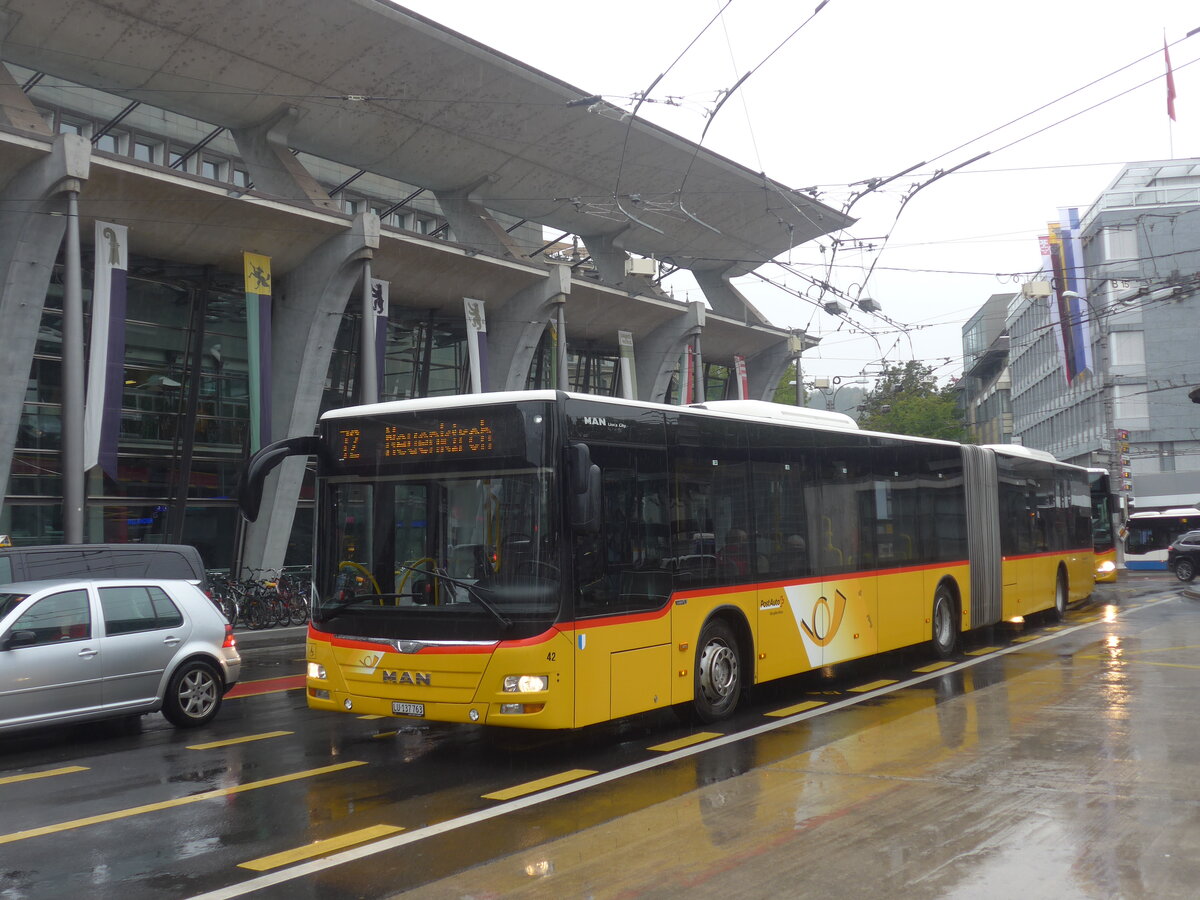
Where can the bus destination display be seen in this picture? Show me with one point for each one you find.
(437, 440)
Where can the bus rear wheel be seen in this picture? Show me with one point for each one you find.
(718, 672)
(945, 626)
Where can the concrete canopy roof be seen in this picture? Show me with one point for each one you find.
(382, 89)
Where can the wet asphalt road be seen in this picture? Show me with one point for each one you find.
(1043, 763)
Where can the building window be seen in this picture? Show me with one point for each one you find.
(65, 126)
(145, 151)
(1120, 244)
(109, 143)
(212, 169)
(241, 177)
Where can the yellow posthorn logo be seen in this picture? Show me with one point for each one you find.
(824, 627)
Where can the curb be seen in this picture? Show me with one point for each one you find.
(293, 635)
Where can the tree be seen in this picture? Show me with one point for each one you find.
(907, 400)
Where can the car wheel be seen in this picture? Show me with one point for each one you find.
(945, 626)
(1185, 569)
(193, 694)
(718, 672)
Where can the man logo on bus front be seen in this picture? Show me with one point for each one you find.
(824, 627)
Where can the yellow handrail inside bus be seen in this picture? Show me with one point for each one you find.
(351, 564)
(409, 568)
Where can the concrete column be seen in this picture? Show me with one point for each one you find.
(515, 329)
(31, 231)
(767, 367)
(725, 299)
(16, 109)
(658, 353)
(609, 256)
(307, 311)
(272, 166)
(473, 225)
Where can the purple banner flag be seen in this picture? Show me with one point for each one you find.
(106, 364)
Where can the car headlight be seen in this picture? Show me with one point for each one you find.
(316, 670)
(525, 684)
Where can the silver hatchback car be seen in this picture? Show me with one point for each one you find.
(83, 649)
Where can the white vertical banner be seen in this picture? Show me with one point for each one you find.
(742, 379)
(379, 307)
(106, 367)
(476, 343)
(628, 365)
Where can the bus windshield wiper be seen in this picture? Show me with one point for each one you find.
(471, 590)
(327, 611)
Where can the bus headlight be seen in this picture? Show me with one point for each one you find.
(525, 684)
(1107, 566)
(316, 670)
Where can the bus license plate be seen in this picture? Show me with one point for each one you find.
(407, 709)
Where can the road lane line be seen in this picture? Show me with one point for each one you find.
(169, 804)
(241, 740)
(798, 708)
(873, 686)
(320, 848)
(49, 773)
(698, 738)
(541, 784)
(982, 651)
(354, 854)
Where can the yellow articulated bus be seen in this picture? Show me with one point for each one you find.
(549, 560)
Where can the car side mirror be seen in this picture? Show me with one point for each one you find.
(19, 639)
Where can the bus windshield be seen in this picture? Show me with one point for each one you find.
(457, 556)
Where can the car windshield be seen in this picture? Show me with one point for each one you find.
(9, 602)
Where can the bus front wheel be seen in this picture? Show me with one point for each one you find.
(945, 626)
(718, 672)
(1061, 596)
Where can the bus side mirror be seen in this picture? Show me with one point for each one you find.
(584, 483)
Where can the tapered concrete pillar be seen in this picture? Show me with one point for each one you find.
(31, 231)
(307, 311)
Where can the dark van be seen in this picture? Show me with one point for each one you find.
(102, 561)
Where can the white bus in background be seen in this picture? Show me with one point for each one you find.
(1150, 533)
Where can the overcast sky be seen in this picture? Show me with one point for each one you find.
(868, 88)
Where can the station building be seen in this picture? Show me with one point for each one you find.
(355, 158)
(1094, 361)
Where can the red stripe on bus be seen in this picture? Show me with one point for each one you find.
(1046, 553)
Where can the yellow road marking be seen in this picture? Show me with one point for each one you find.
(320, 848)
(49, 773)
(169, 804)
(1144, 662)
(983, 651)
(369, 718)
(242, 740)
(384, 734)
(798, 708)
(1055, 627)
(874, 685)
(541, 784)
(1025, 637)
(698, 738)
(933, 667)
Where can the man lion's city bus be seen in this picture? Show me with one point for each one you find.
(551, 560)
(1104, 534)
